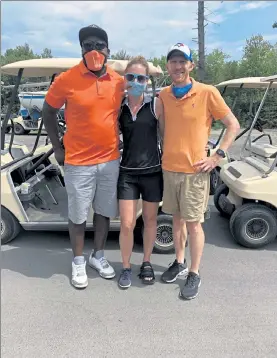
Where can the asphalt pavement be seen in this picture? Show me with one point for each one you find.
(234, 316)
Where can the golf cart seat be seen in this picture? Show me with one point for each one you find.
(263, 150)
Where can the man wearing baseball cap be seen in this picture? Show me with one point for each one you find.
(189, 108)
(93, 94)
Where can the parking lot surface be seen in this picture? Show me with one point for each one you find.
(234, 316)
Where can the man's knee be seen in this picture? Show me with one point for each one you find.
(194, 227)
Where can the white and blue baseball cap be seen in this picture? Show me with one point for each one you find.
(182, 48)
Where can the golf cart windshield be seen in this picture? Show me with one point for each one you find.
(51, 67)
(271, 82)
(239, 84)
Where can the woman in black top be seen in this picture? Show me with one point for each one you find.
(140, 168)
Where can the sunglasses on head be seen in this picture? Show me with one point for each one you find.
(89, 45)
(130, 77)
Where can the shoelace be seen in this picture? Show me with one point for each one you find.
(104, 263)
(125, 274)
(191, 280)
(173, 264)
(80, 270)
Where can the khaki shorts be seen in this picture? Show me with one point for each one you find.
(187, 194)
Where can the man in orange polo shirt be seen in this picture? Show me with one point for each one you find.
(189, 107)
(92, 93)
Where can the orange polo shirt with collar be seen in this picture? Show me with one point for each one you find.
(188, 123)
(92, 106)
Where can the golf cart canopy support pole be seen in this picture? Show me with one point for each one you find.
(9, 110)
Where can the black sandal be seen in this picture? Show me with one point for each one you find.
(147, 273)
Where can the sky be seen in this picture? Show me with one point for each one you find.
(148, 28)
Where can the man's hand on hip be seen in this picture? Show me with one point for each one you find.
(207, 164)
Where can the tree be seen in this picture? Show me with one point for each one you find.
(19, 53)
(259, 57)
(275, 25)
(215, 66)
(201, 41)
(46, 53)
(121, 55)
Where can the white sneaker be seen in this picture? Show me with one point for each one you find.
(102, 266)
(79, 275)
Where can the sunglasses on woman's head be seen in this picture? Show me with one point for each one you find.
(90, 45)
(130, 77)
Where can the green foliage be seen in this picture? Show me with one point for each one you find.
(120, 55)
(19, 53)
(215, 66)
(259, 59)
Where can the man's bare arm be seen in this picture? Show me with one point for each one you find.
(49, 116)
(232, 128)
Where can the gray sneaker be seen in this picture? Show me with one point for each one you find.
(125, 278)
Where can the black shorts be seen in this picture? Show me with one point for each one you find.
(148, 186)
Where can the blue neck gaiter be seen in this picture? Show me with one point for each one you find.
(180, 92)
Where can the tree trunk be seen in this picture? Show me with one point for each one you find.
(201, 42)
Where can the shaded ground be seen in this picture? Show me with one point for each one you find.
(235, 315)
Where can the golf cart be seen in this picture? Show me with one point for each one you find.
(32, 185)
(239, 84)
(249, 197)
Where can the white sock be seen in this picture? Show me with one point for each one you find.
(98, 254)
(79, 260)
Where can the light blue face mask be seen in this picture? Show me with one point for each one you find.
(180, 92)
(136, 89)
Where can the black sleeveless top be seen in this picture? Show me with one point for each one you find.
(141, 142)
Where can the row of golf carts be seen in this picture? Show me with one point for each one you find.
(33, 195)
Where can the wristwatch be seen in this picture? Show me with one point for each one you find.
(221, 153)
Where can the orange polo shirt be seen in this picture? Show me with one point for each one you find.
(188, 124)
(91, 113)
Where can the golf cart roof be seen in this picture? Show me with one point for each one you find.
(270, 78)
(29, 85)
(48, 66)
(248, 82)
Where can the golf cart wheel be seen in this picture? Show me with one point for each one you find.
(221, 190)
(10, 227)
(253, 225)
(164, 238)
(18, 129)
(215, 180)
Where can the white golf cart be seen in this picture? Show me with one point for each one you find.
(250, 188)
(237, 84)
(32, 184)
